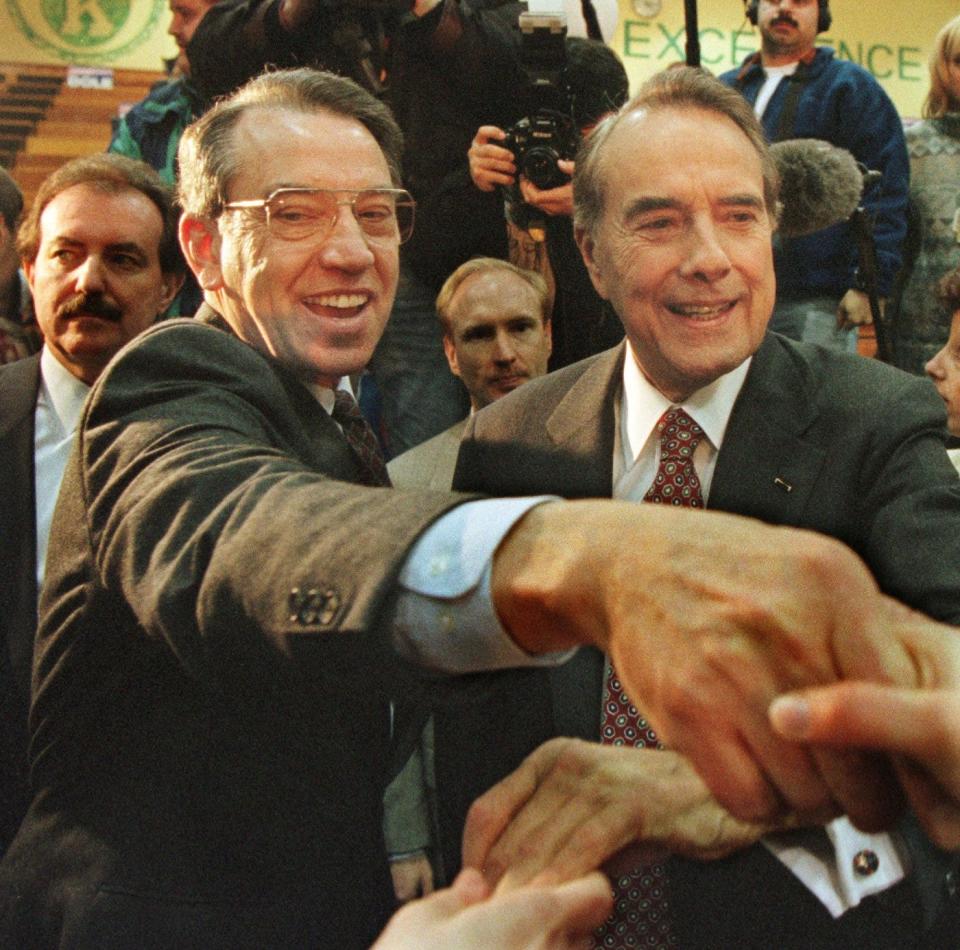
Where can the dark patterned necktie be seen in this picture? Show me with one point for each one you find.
(361, 438)
(641, 913)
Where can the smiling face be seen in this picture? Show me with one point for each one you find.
(498, 338)
(317, 305)
(788, 28)
(944, 370)
(96, 279)
(683, 248)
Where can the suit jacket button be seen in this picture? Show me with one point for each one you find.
(865, 863)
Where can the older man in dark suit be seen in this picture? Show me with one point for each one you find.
(230, 576)
(700, 405)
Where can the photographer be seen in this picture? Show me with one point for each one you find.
(537, 234)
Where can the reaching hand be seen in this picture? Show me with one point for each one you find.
(918, 724)
(573, 806)
(465, 917)
(707, 618)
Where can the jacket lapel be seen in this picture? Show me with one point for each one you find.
(583, 425)
(19, 383)
(765, 468)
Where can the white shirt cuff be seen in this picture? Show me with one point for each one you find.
(839, 864)
(445, 618)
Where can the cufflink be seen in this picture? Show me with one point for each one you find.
(865, 863)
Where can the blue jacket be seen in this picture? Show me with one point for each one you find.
(151, 130)
(842, 104)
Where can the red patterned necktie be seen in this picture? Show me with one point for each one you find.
(360, 437)
(641, 914)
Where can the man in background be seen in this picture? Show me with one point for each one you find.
(151, 130)
(496, 336)
(799, 90)
(19, 336)
(100, 252)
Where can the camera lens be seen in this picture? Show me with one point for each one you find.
(540, 168)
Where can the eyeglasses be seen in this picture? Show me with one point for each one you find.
(295, 214)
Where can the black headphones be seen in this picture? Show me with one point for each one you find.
(823, 21)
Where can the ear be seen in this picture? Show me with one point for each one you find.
(588, 250)
(171, 284)
(200, 240)
(548, 333)
(451, 353)
(28, 269)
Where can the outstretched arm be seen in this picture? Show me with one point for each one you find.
(707, 620)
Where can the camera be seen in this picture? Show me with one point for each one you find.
(549, 133)
(538, 141)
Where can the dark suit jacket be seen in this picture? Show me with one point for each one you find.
(861, 448)
(19, 383)
(209, 731)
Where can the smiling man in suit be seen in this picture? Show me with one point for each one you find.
(99, 250)
(675, 209)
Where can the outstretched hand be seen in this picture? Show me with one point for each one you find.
(465, 917)
(573, 806)
(707, 618)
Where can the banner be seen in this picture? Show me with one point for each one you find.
(889, 39)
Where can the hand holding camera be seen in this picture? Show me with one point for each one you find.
(552, 201)
(491, 164)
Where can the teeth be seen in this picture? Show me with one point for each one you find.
(693, 311)
(342, 301)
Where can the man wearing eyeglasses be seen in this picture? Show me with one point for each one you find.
(227, 582)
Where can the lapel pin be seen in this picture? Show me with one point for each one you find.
(780, 483)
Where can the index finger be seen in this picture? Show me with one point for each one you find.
(493, 811)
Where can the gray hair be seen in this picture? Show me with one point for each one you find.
(685, 87)
(208, 158)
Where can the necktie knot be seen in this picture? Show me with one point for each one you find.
(676, 481)
(679, 434)
(361, 438)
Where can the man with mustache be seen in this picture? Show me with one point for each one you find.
(799, 90)
(99, 250)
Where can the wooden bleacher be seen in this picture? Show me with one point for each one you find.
(44, 122)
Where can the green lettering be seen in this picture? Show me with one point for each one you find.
(718, 57)
(880, 74)
(672, 43)
(738, 50)
(633, 40)
(904, 63)
(843, 50)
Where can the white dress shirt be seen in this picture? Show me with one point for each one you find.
(59, 404)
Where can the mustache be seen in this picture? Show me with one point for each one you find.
(94, 305)
(784, 18)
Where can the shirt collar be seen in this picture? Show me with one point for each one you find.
(326, 396)
(643, 405)
(63, 391)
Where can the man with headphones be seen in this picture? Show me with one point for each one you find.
(799, 90)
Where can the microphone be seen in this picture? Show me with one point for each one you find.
(820, 185)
